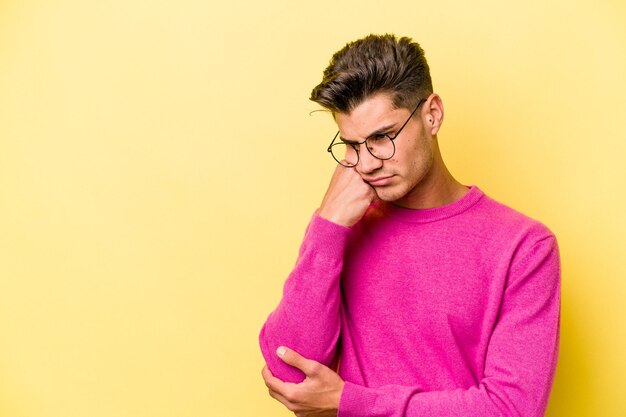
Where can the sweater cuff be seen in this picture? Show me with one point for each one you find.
(327, 237)
(356, 401)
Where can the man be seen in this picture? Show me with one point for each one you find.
(413, 295)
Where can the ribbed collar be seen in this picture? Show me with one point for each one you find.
(436, 213)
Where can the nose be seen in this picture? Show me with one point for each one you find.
(368, 163)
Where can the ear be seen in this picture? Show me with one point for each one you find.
(433, 114)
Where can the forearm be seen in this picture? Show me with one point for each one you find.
(308, 316)
(485, 400)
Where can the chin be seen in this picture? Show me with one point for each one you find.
(389, 194)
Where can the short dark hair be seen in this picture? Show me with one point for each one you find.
(371, 65)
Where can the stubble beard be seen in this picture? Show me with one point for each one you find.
(389, 193)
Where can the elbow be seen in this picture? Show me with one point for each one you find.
(277, 367)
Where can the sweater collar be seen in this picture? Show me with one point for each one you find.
(435, 213)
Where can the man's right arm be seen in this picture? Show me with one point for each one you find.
(307, 318)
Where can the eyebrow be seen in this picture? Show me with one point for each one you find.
(379, 131)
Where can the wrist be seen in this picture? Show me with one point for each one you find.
(335, 217)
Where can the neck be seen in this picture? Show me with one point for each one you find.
(437, 188)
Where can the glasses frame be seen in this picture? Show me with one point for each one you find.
(357, 145)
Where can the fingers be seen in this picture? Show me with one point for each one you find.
(293, 358)
(271, 382)
(280, 398)
(320, 392)
(279, 390)
(347, 197)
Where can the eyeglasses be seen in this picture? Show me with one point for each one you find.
(380, 146)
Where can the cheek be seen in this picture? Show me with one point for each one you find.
(405, 157)
(404, 154)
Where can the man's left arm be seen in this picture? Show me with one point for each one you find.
(519, 369)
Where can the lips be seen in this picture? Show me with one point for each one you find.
(379, 181)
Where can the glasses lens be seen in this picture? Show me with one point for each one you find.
(381, 147)
(345, 154)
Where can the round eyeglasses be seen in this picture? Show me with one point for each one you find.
(379, 145)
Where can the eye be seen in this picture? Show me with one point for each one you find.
(379, 137)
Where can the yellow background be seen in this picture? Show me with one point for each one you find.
(158, 165)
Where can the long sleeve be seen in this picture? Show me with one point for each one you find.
(307, 318)
(520, 360)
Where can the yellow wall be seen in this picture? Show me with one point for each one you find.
(158, 166)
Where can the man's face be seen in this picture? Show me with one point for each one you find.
(399, 178)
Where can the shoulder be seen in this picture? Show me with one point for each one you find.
(505, 222)
(529, 242)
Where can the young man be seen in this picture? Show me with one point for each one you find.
(413, 295)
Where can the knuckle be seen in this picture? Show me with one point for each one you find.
(314, 368)
(287, 394)
(291, 395)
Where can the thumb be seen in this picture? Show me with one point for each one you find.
(293, 358)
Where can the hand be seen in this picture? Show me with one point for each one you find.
(317, 396)
(347, 197)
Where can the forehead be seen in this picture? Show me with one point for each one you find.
(369, 116)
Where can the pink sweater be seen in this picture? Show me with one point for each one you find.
(449, 311)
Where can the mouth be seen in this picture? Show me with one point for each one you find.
(379, 182)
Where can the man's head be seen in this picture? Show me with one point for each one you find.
(380, 94)
(372, 65)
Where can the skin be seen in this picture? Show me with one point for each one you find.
(415, 177)
(418, 177)
(317, 396)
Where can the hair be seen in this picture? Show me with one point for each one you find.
(372, 65)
